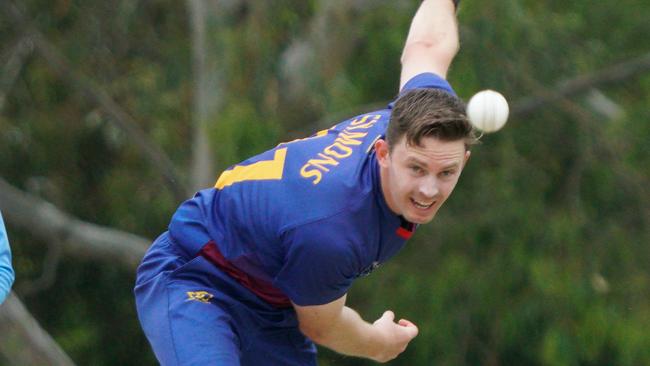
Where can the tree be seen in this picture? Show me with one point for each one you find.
(538, 259)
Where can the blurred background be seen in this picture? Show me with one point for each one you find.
(114, 112)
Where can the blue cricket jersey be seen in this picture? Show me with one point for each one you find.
(301, 221)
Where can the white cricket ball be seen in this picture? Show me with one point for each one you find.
(488, 110)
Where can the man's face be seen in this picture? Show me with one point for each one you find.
(416, 180)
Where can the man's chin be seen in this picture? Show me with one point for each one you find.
(419, 219)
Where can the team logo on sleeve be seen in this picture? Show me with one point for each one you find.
(200, 296)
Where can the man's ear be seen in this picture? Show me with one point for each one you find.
(467, 155)
(383, 152)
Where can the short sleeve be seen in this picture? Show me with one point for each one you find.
(428, 80)
(319, 266)
(425, 80)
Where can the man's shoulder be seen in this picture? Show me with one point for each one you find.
(335, 181)
(428, 80)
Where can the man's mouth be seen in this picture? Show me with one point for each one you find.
(422, 205)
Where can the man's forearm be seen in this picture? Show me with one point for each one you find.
(435, 23)
(351, 335)
(432, 41)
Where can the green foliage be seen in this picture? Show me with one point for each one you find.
(539, 258)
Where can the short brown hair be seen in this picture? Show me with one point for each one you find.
(428, 112)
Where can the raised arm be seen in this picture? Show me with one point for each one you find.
(341, 329)
(432, 40)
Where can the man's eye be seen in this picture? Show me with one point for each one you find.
(447, 173)
(416, 169)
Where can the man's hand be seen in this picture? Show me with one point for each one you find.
(396, 336)
(340, 328)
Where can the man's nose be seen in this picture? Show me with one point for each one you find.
(429, 187)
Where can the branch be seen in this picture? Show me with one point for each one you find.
(48, 274)
(123, 120)
(566, 88)
(581, 156)
(318, 55)
(207, 94)
(11, 69)
(610, 149)
(526, 105)
(78, 238)
(23, 341)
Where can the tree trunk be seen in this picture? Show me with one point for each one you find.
(78, 238)
(207, 95)
(23, 341)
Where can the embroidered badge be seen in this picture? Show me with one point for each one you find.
(202, 296)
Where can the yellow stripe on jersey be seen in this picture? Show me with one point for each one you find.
(261, 170)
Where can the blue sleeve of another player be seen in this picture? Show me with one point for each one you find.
(428, 80)
(319, 265)
(6, 271)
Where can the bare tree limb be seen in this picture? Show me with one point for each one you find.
(207, 94)
(526, 105)
(47, 278)
(23, 341)
(317, 56)
(12, 67)
(612, 74)
(572, 183)
(326, 46)
(628, 179)
(123, 120)
(204, 86)
(78, 238)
